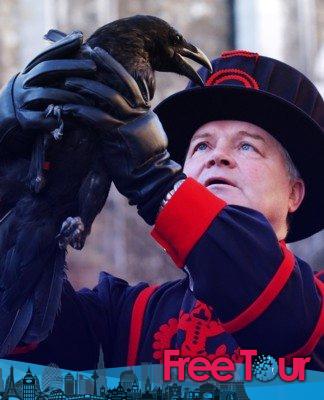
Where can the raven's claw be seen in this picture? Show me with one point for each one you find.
(72, 233)
(56, 112)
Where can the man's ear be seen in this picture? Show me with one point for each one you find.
(297, 195)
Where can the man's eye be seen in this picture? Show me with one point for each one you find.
(247, 146)
(200, 146)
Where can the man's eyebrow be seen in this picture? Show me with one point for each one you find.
(252, 135)
(206, 134)
(201, 135)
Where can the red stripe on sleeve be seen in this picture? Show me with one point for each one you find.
(137, 323)
(185, 218)
(318, 332)
(268, 295)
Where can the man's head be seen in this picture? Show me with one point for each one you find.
(244, 165)
(279, 105)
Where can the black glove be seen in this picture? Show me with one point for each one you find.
(133, 140)
(25, 97)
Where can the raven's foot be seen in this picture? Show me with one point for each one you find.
(72, 233)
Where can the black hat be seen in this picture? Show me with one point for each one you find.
(266, 92)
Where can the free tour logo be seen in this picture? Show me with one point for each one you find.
(263, 367)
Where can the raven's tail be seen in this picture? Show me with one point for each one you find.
(33, 320)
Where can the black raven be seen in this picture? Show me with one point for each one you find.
(77, 181)
(142, 44)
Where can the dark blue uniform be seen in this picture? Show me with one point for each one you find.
(243, 289)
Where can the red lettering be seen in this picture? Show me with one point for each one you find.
(248, 362)
(216, 368)
(298, 369)
(179, 363)
(193, 367)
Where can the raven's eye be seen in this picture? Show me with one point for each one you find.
(178, 38)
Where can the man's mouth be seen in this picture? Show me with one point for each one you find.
(219, 181)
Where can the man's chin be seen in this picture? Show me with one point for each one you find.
(228, 193)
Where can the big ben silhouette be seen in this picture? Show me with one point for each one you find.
(29, 386)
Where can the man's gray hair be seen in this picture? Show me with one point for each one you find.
(292, 170)
(293, 175)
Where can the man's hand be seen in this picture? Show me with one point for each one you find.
(24, 99)
(133, 140)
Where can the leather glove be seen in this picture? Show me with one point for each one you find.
(25, 97)
(133, 140)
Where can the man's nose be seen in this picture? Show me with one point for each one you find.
(221, 158)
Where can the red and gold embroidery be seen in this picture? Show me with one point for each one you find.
(197, 326)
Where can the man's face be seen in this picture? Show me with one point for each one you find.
(244, 165)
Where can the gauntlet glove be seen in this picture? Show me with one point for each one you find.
(134, 143)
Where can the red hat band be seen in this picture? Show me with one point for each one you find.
(232, 74)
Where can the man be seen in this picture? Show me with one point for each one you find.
(225, 225)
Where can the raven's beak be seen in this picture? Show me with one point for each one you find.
(194, 54)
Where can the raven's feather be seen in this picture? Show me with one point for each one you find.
(13, 326)
(47, 298)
